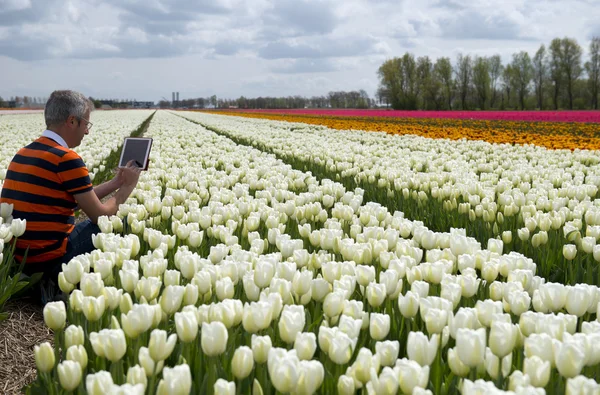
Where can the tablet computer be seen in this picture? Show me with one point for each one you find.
(137, 149)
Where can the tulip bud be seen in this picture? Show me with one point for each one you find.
(570, 358)
(44, 357)
(137, 375)
(261, 345)
(470, 346)
(333, 304)
(578, 299)
(160, 347)
(55, 315)
(69, 374)
(171, 298)
(147, 363)
(214, 338)
(422, 349)
(518, 379)
(379, 326)
(411, 375)
(305, 345)
(63, 284)
(387, 351)
(78, 354)
(74, 336)
(112, 297)
(456, 366)
(320, 289)
(408, 304)
(17, 227)
(538, 371)
(242, 362)
(91, 284)
(302, 281)
(225, 289)
(186, 325)
(291, 322)
(6, 210)
(569, 251)
(176, 381)
(224, 387)
(93, 308)
(190, 295)
(345, 385)
(502, 338)
(376, 294)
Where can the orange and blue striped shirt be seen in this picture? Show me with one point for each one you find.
(41, 181)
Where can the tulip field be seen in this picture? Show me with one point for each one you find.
(262, 256)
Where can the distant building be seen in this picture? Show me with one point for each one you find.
(143, 104)
(126, 104)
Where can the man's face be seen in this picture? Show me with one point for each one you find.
(81, 129)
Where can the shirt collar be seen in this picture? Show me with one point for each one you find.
(54, 136)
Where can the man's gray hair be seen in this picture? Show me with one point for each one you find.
(63, 104)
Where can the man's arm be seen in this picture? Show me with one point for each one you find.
(106, 188)
(90, 202)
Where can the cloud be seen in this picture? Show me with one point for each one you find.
(14, 5)
(475, 24)
(319, 48)
(297, 66)
(295, 18)
(259, 47)
(17, 12)
(228, 47)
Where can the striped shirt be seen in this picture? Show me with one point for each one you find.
(41, 181)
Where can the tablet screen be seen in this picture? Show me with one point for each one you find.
(137, 149)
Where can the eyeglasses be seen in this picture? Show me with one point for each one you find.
(88, 123)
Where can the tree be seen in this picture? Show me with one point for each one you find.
(390, 81)
(571, 65)
(540, 71)
(398, 76)
(213, 101)
(481, 80)
(429, 85)
(443, 70)
(522, 75)
(464, 72)
(507, 83)
(364, 101)
(2, 102)
(410, 83)
(495, 65)
(555, 69)
(592, 67)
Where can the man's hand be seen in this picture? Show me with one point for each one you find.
(129, 175)
(90, 203)
(118, 178)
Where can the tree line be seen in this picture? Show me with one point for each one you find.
(25, 101)
(554, 78)
(334, 99)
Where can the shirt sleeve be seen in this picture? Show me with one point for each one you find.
(74, 174)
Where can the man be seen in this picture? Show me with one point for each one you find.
(46, 181)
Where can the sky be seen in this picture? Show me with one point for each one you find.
(146, 49)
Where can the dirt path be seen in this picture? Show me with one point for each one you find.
(23, 329)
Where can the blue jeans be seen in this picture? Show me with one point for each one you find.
(79, 242)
